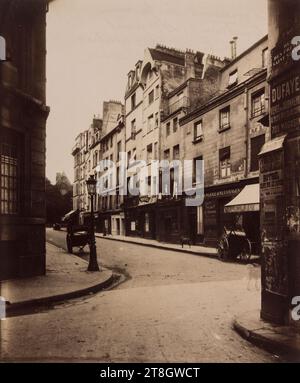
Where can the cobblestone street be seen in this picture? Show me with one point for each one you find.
(173, 307)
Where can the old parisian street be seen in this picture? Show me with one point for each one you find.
(173, 307)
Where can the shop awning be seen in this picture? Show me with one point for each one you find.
(246, 201)
(273, 145)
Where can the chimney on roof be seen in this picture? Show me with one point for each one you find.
(233, 44)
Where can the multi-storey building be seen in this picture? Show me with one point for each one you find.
(186, 106)
(90, 148)
(149, 86)
(79, 152)
(111, 216)
(23, 115)
(227, 133)
(202, 83)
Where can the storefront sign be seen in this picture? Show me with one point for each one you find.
(223, 193)
(285, 104)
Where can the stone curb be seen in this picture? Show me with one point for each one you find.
(60, 297)
(179, 250)
(270, 345)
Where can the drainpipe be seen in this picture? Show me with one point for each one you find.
(247, 133)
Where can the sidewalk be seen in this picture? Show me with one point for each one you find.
(283, 340)
(66, 277)
(198, 250)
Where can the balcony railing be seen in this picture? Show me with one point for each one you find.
(183, 102)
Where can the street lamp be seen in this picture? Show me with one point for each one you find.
(91, 187)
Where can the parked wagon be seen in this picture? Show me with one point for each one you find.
(243, 240)
(77, 235)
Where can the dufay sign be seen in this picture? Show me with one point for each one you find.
(2, 49)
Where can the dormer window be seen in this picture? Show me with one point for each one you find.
(233, 78)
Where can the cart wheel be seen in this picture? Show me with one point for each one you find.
(223, 249)
(246, 252)
(69, 245)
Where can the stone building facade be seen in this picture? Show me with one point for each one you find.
(227, 133)
(23, 115)
(188, 106)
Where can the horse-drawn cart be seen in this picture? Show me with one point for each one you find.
(77, 235)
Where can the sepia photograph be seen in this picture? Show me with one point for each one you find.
(149, 185)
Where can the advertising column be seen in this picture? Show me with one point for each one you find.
(280, 167)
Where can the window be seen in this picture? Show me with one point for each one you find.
(133, 101)
(198, 131)
(118, 176)
(149, 180)
(258, 104)
(225, 118)
(156, 151)
(167, 154)
(176, 152)
(195, 173)
(265, 58)
(133, 128)
(111, 141)
(119, 149)
(156, 120)
(225, 166)
(149, 152)
(150, 123)
(157, 91)
(128, 157)
(168, 129)
(175, 124)
(9, 174)
(151, 97)
(256, 145)
(233, 78)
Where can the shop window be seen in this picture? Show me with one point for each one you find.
(225, 118)
(256, 145)
(258, 103)
(225, 165)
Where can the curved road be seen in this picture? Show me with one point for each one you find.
(174, 307)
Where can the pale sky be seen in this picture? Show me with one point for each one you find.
(92, 45)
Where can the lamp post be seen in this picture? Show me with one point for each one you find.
(93, 264)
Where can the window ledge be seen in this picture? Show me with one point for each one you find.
(221, 130)
(199, 139)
